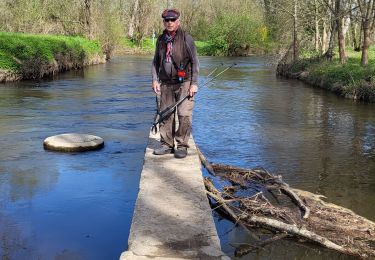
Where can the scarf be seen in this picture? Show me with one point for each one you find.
(169, 40)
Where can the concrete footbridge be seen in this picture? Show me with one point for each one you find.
(172, 217)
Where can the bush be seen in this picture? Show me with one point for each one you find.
(232, 34)
(109, 31)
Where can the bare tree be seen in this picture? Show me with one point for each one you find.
(339, 24)
(355, 35)
(316, 20)
(88, 18)
(367, 10)
(134, 19)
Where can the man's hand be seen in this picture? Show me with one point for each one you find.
(192, 90)
(156, 87)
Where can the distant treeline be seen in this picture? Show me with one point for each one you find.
(229, 27)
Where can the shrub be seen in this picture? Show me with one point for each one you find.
(230, 34)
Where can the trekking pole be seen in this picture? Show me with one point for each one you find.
(169, 110)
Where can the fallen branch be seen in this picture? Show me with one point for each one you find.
(326, 224)
(247, 248)
(205, 163)
(273, 224)
(296, 199)
(270, 181)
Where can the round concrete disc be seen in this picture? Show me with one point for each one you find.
(73, 142)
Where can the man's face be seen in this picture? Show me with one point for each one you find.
(171, 25)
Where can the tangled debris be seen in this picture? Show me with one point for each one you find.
(257, 199)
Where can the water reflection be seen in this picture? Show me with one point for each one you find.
(79, 206)
(316, 140)
(72, 205)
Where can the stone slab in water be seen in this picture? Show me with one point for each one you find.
(73, 142)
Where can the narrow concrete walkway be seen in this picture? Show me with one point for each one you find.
(172, 217)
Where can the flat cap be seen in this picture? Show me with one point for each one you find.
(170, 14)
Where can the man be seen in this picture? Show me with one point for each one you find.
(175, 69)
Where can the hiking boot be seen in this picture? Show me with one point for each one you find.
(164, 149)
(181, 152)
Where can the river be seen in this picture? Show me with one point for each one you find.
(79, 205)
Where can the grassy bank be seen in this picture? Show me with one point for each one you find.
(28, 56)
(350, 80)
(148, 47)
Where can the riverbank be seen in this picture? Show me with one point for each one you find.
(147, 47)
(350, 80)
(30, 56)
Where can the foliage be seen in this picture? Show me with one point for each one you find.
(349, 79)
(148, 47)
(232, 27)
(231, 33)
(109, 21)
(16, 48)
(128, 45)
(203, 48)
(109, 30)
(346, 73)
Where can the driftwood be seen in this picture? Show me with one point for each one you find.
(258, 199)
(246, 248)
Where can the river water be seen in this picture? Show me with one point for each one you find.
(79, 205)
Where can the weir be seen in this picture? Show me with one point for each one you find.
(172, 217)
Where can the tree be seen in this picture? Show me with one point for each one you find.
(316, 20)
(236, 28)
(133, 21)
(338, 11)
(339, 24)
(367, 11)
(88, 18)
(288, 19)
(355, 36)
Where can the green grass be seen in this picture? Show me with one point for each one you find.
(129, 45)
(202, 47)
(147, 46)
(355, 79)
(346, 73)
(15, 48)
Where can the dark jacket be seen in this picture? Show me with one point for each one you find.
(183, 52)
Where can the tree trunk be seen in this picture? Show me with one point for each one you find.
(295, 35)
(340, 32)
(353, 29)
(356, 44)
(329, 53)
(331, 45)
(88, 19)
(132, 22)
(367, 9)
(316, 27)
(366, 45)
(324, 38)
(346, 25)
